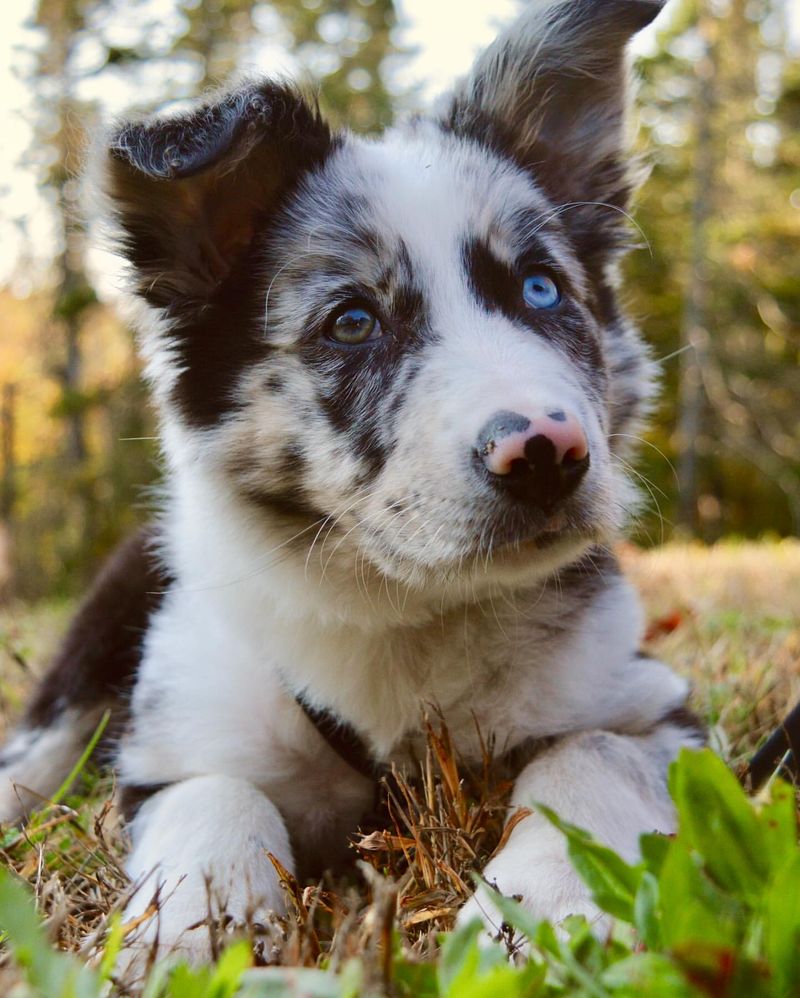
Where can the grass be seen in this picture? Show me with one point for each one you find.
(727, 617)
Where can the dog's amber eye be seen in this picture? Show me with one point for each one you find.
(541, 291)
(355, 326)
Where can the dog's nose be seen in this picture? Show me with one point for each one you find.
(538, 459)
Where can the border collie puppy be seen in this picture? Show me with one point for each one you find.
(394, 386)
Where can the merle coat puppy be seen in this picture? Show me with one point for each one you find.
(394, 386)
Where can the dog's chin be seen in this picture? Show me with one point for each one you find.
(538, 556)
(534, 555)
(517, 558)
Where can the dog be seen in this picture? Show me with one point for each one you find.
(397, 395)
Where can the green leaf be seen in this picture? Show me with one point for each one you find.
(716, 819)
(111, 950)
(653, 848)
(156, 984)
(782, 930)
(778, 820)
(415, 980)
(647, 974)
(51, 973)
(693, 908)
(463, 960)
(459, 954)
(647, 911)
(290, 982)
(227, 974)
(504, 981)
(612, 881)
(547, 941)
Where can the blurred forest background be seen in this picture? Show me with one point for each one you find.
(716, 285)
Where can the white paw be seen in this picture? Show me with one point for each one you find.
(191, 924)
(547, 888)
(201, 859)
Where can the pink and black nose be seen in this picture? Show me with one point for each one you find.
(539, 459)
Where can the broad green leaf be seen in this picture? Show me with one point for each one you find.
(653, 848)
(547, 941)
(226, 977)
(612, 881)
(585, 953)
(291, 982)
(778, 820)
(723, 970)
(504, 981)
(415, 980)
(351, 979)
(459, 948)
(693, 908)
(484, 956)
(782, 930)
(647, 974)
(717, 819)
(647, 911)
(188, 982)
(459, 956)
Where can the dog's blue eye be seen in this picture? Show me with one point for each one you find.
(355, 326)
(541, 291)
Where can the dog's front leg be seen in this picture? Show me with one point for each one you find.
(200, 851)
(612, 785)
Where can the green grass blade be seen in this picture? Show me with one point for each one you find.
(78, 768)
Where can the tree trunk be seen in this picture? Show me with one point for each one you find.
(695, 332)
(8, 491)
(8, 485)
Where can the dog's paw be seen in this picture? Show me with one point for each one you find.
(191, 925)
(548, 888)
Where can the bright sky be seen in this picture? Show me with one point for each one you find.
(445, 35)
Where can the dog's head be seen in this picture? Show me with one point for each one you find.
(412, 343)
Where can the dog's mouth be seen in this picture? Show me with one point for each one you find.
(529, 532)
(529, 547)
(484, 538)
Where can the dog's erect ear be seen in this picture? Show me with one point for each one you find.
(190, 191)
(552, 92)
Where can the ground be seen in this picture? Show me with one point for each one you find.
(727, 617)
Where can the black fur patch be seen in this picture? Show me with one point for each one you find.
(130, 797)
(359, 387)
(684, 718)
(356, 377)
(558, 111)
(498, 286)
(98, 659)
(193, 196)
(588, 577)
(290, 503)
(216, 347)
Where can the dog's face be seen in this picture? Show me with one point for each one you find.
(411, 345)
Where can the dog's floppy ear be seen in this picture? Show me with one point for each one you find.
(189, 191)
(552, 92)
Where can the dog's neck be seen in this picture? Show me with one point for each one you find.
(371, 652)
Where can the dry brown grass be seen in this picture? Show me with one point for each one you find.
(737, 610)
(727, 617)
